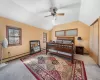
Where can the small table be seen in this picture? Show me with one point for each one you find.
(79, 50)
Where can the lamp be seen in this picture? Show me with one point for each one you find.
(79, 39)
(53, 21)
(4, 44)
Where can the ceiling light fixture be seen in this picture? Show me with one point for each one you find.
(53, 21)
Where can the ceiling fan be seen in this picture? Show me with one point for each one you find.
(53, 10)
(54, 13)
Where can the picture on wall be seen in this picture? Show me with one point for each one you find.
(44, 37)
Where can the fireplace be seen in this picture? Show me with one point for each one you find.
(35, 46)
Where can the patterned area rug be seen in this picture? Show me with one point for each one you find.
(47, 67)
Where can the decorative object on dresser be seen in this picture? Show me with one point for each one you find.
(3, 44)
(44, 37)
(63, 47)
(35, 46)
(79, 50)
(64, 33)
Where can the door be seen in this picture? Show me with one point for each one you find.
(96, 41)
(99, 41)
(91, 38)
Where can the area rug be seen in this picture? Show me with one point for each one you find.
(46, 67)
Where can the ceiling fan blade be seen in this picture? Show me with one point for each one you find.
(60, 14)
(48, 16)
(71, 5)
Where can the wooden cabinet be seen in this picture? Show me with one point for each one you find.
(79, 50)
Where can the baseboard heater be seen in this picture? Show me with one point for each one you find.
(15, 57)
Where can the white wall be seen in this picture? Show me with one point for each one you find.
(89, 11)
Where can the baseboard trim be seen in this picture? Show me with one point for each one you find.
(15, 57)
(94, 57)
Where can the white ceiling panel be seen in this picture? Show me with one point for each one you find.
(89, 11)
(32, 12)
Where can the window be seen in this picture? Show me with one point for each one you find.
(72, 32)
(60, 33)
(69, 32)
(14, 36)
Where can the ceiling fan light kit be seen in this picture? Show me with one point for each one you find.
(53, 22)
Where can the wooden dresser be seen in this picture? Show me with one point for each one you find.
(79, 50)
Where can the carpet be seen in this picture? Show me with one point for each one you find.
(47, 67)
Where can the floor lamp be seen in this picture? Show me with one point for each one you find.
(4, 44)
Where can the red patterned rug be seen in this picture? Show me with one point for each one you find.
(47, 67)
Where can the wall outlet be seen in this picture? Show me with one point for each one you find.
(8, 52)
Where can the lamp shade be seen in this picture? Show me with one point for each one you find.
(5, 43)
(79, 38)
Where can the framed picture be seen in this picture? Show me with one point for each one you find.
(44, 37)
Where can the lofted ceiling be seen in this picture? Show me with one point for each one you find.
(32, 12)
